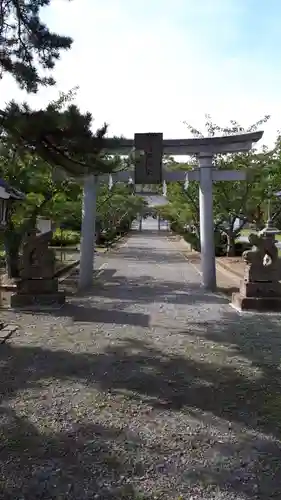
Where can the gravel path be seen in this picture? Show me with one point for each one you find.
(145, 388)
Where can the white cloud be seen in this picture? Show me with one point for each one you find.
(142, 66)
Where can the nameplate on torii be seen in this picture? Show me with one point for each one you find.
(217, 175)
(148, 162)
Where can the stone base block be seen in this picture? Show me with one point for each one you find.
(37, 272)
(261, 289)
(37, 286)
(262, 273)
(37, 300)
(262, 304)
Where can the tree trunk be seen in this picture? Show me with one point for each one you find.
(12, 265)
(260, 224)
(230, 252)
(12, 249)
(197, 230)
(259, 219)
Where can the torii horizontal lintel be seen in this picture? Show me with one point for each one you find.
(205, 145)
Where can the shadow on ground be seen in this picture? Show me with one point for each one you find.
(120, 292)
(35, 465)
(168, 383)
(108, 315)
(145, 289)
(255, 336)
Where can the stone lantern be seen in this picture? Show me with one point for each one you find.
(8, 195)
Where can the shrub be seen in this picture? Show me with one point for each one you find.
(220, 243)
(242, 246)
(64, 238)
(192, 239)
(176, 227)
(71, 225)
(124, 226)
(108, 236)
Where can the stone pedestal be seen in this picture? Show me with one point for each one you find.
(37, 285)
(262, 304)
(260, 290)
(37, 292)
(35, 300)
(258, 296)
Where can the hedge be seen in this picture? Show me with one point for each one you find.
(65, 237)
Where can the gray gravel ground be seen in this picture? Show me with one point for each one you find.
(145, 388)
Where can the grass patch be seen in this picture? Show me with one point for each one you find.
(246, 232)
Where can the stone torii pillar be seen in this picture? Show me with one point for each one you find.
(88, 232)
(206, 174)
(208, 261)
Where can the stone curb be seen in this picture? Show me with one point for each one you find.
(226, 270)
(60, 274)
(229, 269)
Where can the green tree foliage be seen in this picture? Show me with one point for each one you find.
(28, 49)
(183, 206)
(60, 135)
(241, 200)
(55, 199)
(273, 200)
(38, 147)
(58, 198)
(117, 208)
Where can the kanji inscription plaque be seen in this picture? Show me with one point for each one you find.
(148, 168)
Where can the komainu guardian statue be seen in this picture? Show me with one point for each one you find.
(260, 289)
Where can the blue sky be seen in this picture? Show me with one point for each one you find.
(149, 65)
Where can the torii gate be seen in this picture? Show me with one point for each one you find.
(148, 170)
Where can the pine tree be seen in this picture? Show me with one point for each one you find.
(28, 49)
(59, 134)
